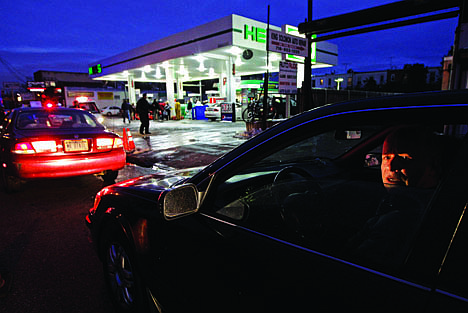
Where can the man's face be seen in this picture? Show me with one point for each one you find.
(405, 164)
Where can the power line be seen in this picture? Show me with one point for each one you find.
(13, 71)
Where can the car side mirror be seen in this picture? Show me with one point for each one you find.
(372, 160)
(180, 201)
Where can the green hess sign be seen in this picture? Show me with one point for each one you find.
(96, 69)
(256, 34)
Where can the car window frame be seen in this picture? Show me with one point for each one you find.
(236, 165)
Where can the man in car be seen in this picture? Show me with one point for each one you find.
(410, 169)
(410, 158)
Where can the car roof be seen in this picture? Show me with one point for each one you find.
(439, 107)
(442, 98)
(53, 109)
(432, 101)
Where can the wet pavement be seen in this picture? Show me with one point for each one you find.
(177, 144)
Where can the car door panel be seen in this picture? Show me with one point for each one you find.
(294, 278)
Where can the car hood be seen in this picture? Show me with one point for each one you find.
(159, 181)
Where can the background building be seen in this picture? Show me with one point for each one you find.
(411, 78)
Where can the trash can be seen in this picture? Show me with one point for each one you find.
(200, 112)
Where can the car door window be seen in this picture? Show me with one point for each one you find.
(325, 192)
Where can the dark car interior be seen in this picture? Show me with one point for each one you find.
(323, 188)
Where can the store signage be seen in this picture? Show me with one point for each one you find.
(96, 69)
(11, 85)
(284, 43)
(253, 33)
(227, 111)
(36, 86)
(293, 30)
(75, 94)
(249, 33)
(287, 78)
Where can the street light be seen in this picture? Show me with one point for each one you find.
(338, 81)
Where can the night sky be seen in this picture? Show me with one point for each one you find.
(68, 35)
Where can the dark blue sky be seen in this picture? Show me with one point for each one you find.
(68, 35)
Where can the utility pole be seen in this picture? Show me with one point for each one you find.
(307, 84)
(460, 44)
(265, 82)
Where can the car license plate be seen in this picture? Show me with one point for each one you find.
(76, 145)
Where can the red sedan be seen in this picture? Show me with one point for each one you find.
(56, 142)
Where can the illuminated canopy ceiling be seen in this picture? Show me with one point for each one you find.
(204, 52)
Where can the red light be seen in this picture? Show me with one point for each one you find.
(49, 105)
(35, 147)
(24, 148)
(109, 143)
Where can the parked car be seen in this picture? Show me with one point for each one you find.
(213, 111)
(110, 110)
(299, 218)
(92, 108)
(279, 103)
(56, 142)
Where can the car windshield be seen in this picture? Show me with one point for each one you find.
(328, 145)
(55, 119)
(89, 106)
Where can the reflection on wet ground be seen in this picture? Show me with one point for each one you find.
(176, 144)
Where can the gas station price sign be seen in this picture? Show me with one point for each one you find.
(227, 111)
(226, 107)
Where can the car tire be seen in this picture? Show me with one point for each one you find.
(110, 176)
(11, 183)
(121, 273)
(247, 115)
(109, 114)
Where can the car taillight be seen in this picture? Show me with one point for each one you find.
(109, 143)
(46, 146)
(118, 143)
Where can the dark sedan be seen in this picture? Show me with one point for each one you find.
(356, 206)
(39, 143)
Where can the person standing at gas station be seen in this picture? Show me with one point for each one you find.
(142, 109)
(126, 111)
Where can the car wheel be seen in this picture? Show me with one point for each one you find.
(11, 183)
(109, 113)
(213, 119)
(247, 115)
(110, 176)
(120, 272)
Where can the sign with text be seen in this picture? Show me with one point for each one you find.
(287, 78)
(284, 43)
(227, 111)
(11, 85)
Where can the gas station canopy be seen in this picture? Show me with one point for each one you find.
(233, 45)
